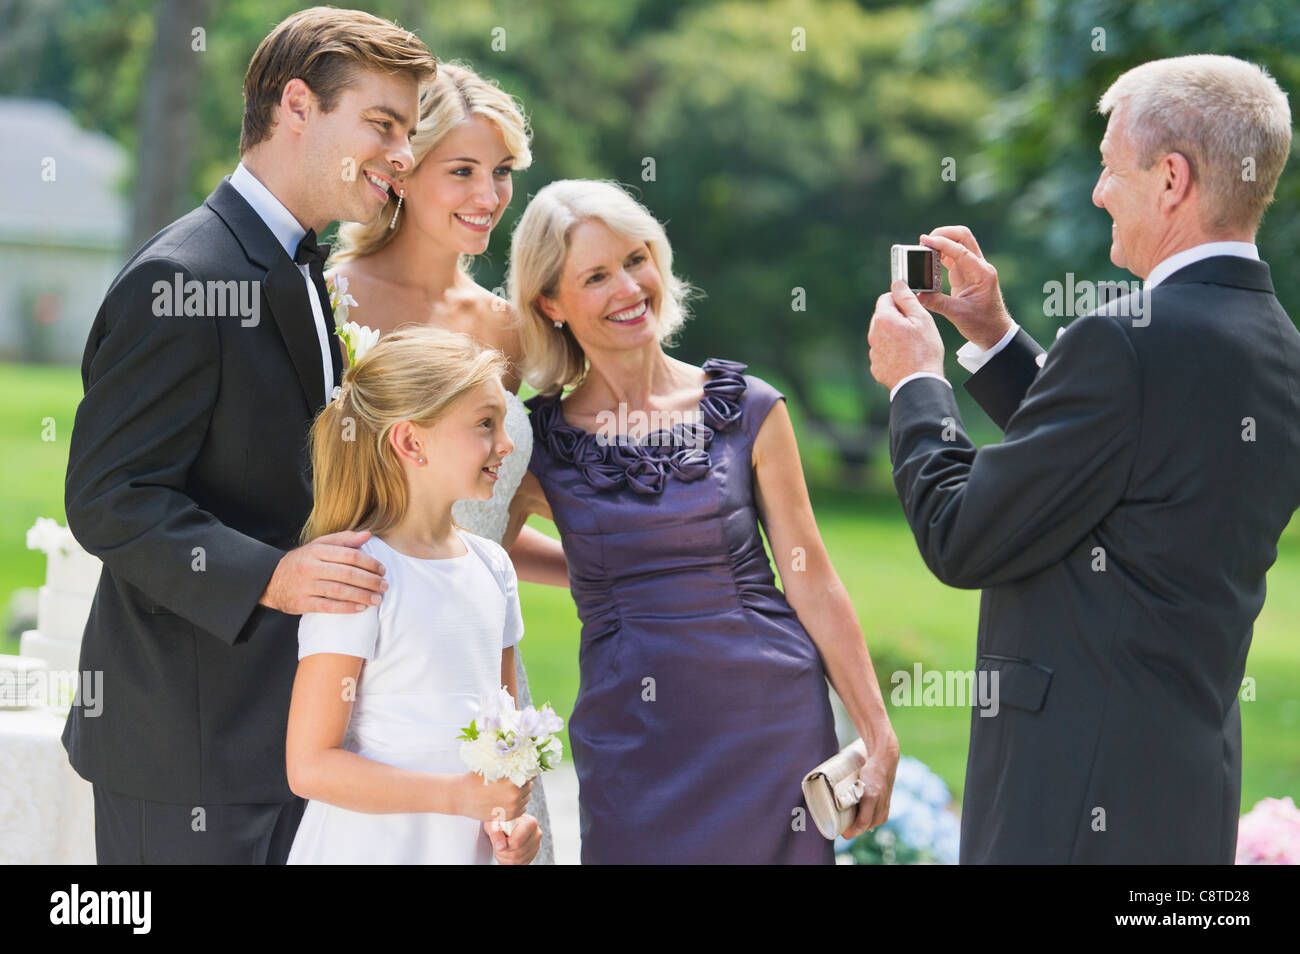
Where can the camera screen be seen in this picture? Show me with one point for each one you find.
(918, 268)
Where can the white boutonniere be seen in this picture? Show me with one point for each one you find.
(340, 300)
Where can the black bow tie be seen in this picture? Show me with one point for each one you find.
(310, 251)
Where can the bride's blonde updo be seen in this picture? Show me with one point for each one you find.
(413, 374)
(455, 96)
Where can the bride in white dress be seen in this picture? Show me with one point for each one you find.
(470, 137)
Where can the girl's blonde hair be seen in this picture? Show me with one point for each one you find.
(455, 95)
(413, 374)
(553, 359)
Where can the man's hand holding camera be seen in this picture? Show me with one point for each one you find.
(903, 337)
(975, 306)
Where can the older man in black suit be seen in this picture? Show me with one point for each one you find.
(1122, 529)
(188, 472)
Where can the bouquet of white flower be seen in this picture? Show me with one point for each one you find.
(503, 742)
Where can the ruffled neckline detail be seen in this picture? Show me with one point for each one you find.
(608, 463)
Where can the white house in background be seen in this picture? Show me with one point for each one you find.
(64, 223)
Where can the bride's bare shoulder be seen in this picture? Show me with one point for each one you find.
(498, 325)
(491, 308)
(379, 303)
(359, 283)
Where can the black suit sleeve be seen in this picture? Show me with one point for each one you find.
(1001, 513)
(1001, 384)
(151, 383)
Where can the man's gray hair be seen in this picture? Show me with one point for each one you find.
(1227, 117)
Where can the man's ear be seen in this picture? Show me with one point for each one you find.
(1175, 181)
(297, 103)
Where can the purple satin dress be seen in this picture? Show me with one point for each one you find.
(702, 701)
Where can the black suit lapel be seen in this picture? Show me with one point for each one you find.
(283, 287)
(286, 295)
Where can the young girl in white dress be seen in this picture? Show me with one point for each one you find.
(383, 690)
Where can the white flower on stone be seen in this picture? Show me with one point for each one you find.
(47, 536)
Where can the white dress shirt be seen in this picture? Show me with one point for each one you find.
(288, 232)
(972, 357)
(1197, 252)
(913, 376)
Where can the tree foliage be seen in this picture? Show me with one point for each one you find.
(786, 143)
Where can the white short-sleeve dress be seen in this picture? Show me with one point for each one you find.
(432, 648)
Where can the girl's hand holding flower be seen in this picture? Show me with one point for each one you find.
(500, 800)
(504, 746)
(520, 846)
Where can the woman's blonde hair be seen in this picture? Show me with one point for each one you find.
(455, 95)
(413, 374)
(553, 359)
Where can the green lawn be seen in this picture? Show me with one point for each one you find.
(906, 615)
(36, 402)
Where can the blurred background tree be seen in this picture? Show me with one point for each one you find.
(786, 143)
(1044, 67)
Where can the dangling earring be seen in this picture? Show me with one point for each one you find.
(392, 224)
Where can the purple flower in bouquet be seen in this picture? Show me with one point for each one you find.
(497, 713)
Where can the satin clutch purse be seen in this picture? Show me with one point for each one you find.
(833, 790)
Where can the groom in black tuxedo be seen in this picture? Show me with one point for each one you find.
(1122, 528)
(188, 473)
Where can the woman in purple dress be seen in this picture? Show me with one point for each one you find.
(703, 696)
